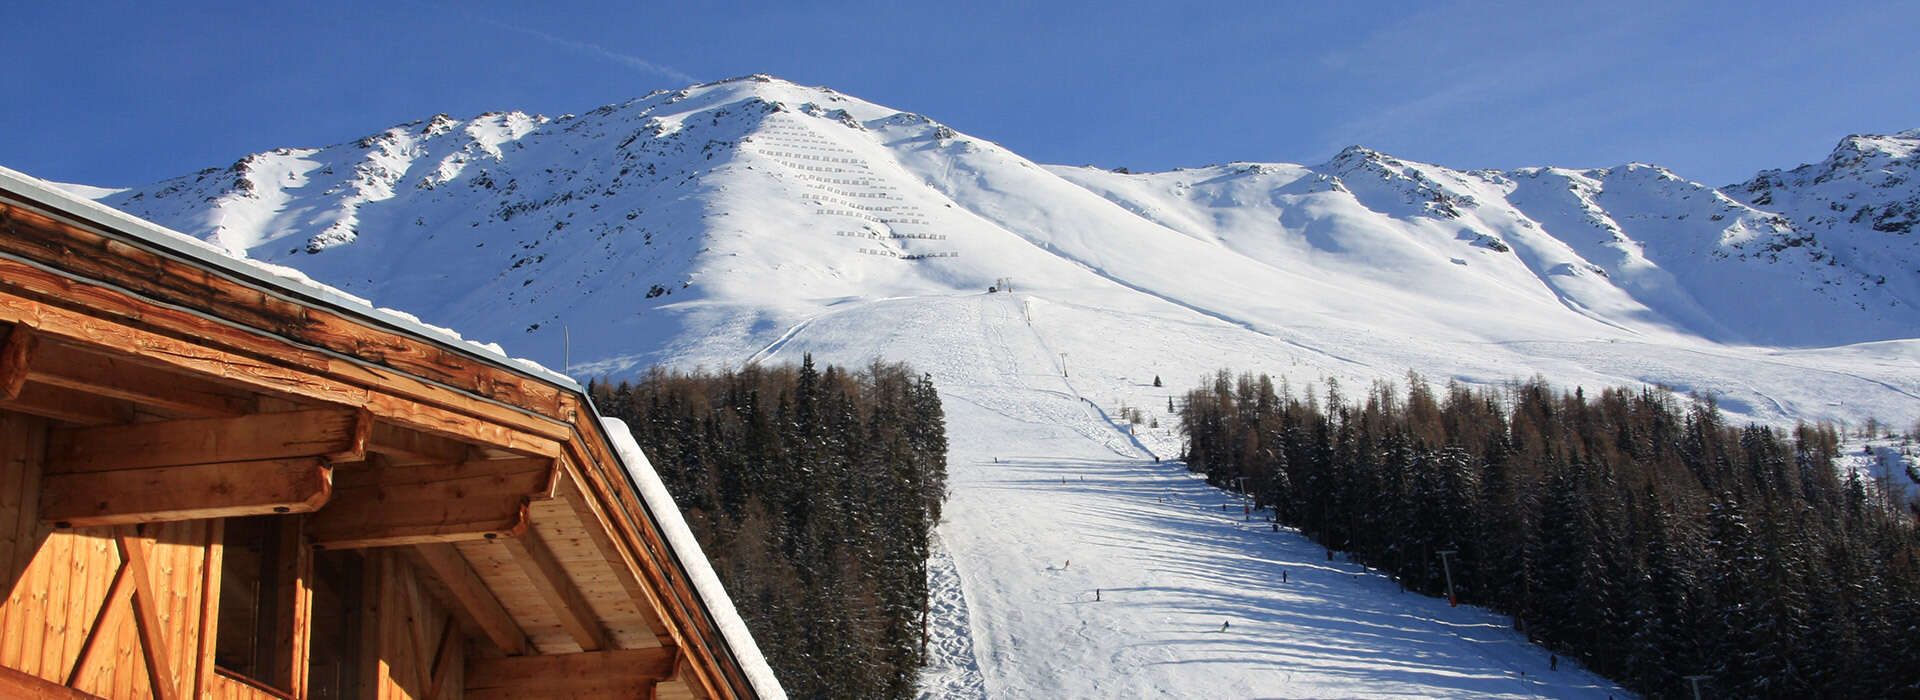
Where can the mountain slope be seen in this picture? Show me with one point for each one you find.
(755, 219)
(732, 211)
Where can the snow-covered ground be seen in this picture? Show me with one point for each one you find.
(755, 220)
(1075, 564)
(1888, 465)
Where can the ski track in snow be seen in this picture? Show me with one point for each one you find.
(1051, 501)
(952, 672)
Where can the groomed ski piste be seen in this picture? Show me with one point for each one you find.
(755, 220)
(1077, 561)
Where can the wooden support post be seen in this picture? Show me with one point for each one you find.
(295, 576)
(162, 494)
(473, 596)
(379, 505)
(375, 579)
(550, 579)
(210, 578)
(619, 673)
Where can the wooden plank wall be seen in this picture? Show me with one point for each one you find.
(79, 618)
(23, 444)
(115, 612)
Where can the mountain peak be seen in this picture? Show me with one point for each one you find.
(715, 192)
(1856, 147)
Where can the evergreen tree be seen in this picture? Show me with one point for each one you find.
(1644, 536)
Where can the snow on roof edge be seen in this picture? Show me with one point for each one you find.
(285, 280)
(686, 549)
(646, 482)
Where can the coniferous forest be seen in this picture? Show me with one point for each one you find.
(814, 493)
(1630, 529)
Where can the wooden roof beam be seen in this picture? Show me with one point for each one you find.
(68, 406)
(193, 492)
(402, 446)
(262, 363)
(381, 505)
(550, 580)
(16, 367)
(338, 434)
(472, 596)
(122, 378)
(81, 248)
(620, 673)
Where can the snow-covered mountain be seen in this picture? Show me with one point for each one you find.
(755, 219)
(703, 224)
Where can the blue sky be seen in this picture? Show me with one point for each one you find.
(128, 93)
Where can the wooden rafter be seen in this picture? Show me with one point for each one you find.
(379, 505)
(334, 434)
(472, 596)
(550, 580)
(625, 569)
(404, 447)
(68, 406)
(618, 673)
(193, 492)
(122, 378)
(692, 630)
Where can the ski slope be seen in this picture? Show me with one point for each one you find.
(1051, 501)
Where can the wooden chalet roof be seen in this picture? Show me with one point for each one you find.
(520, 501)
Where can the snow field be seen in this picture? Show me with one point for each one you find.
(1052, 501)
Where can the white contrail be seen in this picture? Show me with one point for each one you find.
(628, 60)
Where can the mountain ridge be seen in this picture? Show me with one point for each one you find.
(691, 204)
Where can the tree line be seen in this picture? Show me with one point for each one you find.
(1635, 531)
(814, 493)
